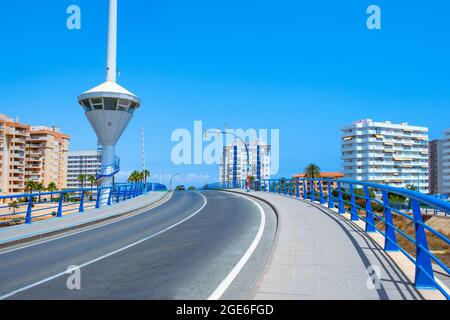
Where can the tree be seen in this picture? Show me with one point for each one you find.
(145, 174)
(135, 176)
(191, 188)
(14, 205)
(81, 178)
(312, 171)
(92, 180)
(411, 187)
(39, 188)
(52, 188)
(30, 186)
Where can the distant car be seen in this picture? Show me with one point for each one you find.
(180, 188)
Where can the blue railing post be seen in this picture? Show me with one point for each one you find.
(297, 188)
(341, 199)
(125, 193)
(312, 191)
(322, 199)
(305, 194)
(118, 195)
(97, 202)
(424, 278)
(81, 209)
(28, 218)
(110, 196)
(330, 195)
(370, 223)
(60, 204)
(390, 240)
(354, 210)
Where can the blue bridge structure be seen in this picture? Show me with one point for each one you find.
(378, 207)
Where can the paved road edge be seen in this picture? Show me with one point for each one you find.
(79, 226)
(269, 258)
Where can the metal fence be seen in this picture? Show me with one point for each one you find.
(28, 208)
(378, 206)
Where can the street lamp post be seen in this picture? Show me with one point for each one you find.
(218, 132)
(171, 178)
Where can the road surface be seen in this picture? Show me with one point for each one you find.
(190, 247)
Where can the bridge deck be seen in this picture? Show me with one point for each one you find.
(322, 255)
(26, 232)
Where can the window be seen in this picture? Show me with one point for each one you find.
(110, 103)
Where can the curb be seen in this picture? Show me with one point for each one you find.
(82, 225)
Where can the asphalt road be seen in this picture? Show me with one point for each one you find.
(182, 249)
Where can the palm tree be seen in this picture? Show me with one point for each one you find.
(92, 180)
(30, 186)
(135, 176)
(411, 187)
(52, 188)
(40, 187)
(82, 179)
(312, 171)
(146, 174)
(14, 205)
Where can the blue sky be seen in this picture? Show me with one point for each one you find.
(304, 67)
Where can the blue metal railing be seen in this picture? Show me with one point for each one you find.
(28, 208)
(108, 170)
(372, 203)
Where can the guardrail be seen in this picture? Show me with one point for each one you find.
(28, 208)
(379, 206)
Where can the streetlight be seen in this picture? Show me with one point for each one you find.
(219, 132)
(171, 178)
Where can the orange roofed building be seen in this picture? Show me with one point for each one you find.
(324, 175)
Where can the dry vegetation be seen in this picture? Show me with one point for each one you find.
(438, 247)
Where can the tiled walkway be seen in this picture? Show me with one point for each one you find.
(320, 254)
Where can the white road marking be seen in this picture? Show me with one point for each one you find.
(238, 267)
(5, 296)
(102, 224)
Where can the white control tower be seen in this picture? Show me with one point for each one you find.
(109, 108)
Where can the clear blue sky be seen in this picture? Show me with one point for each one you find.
(305, 67)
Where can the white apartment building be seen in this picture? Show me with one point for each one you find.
(82, 163)
(234, 161)
(446, 161)
(386, 153)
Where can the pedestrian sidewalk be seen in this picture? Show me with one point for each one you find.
(11, 236)
(322, 255)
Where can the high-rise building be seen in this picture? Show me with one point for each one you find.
(31, 154)
(46, 156)
(84, 163)
(234, 161)
(435, 166)
(446, 162)
(13, 137)
(386, 153)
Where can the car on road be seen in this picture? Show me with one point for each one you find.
(180, 188)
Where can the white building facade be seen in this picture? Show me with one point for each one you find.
(234, 161)
(446, 161)
(386, 153)
(82, 163)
